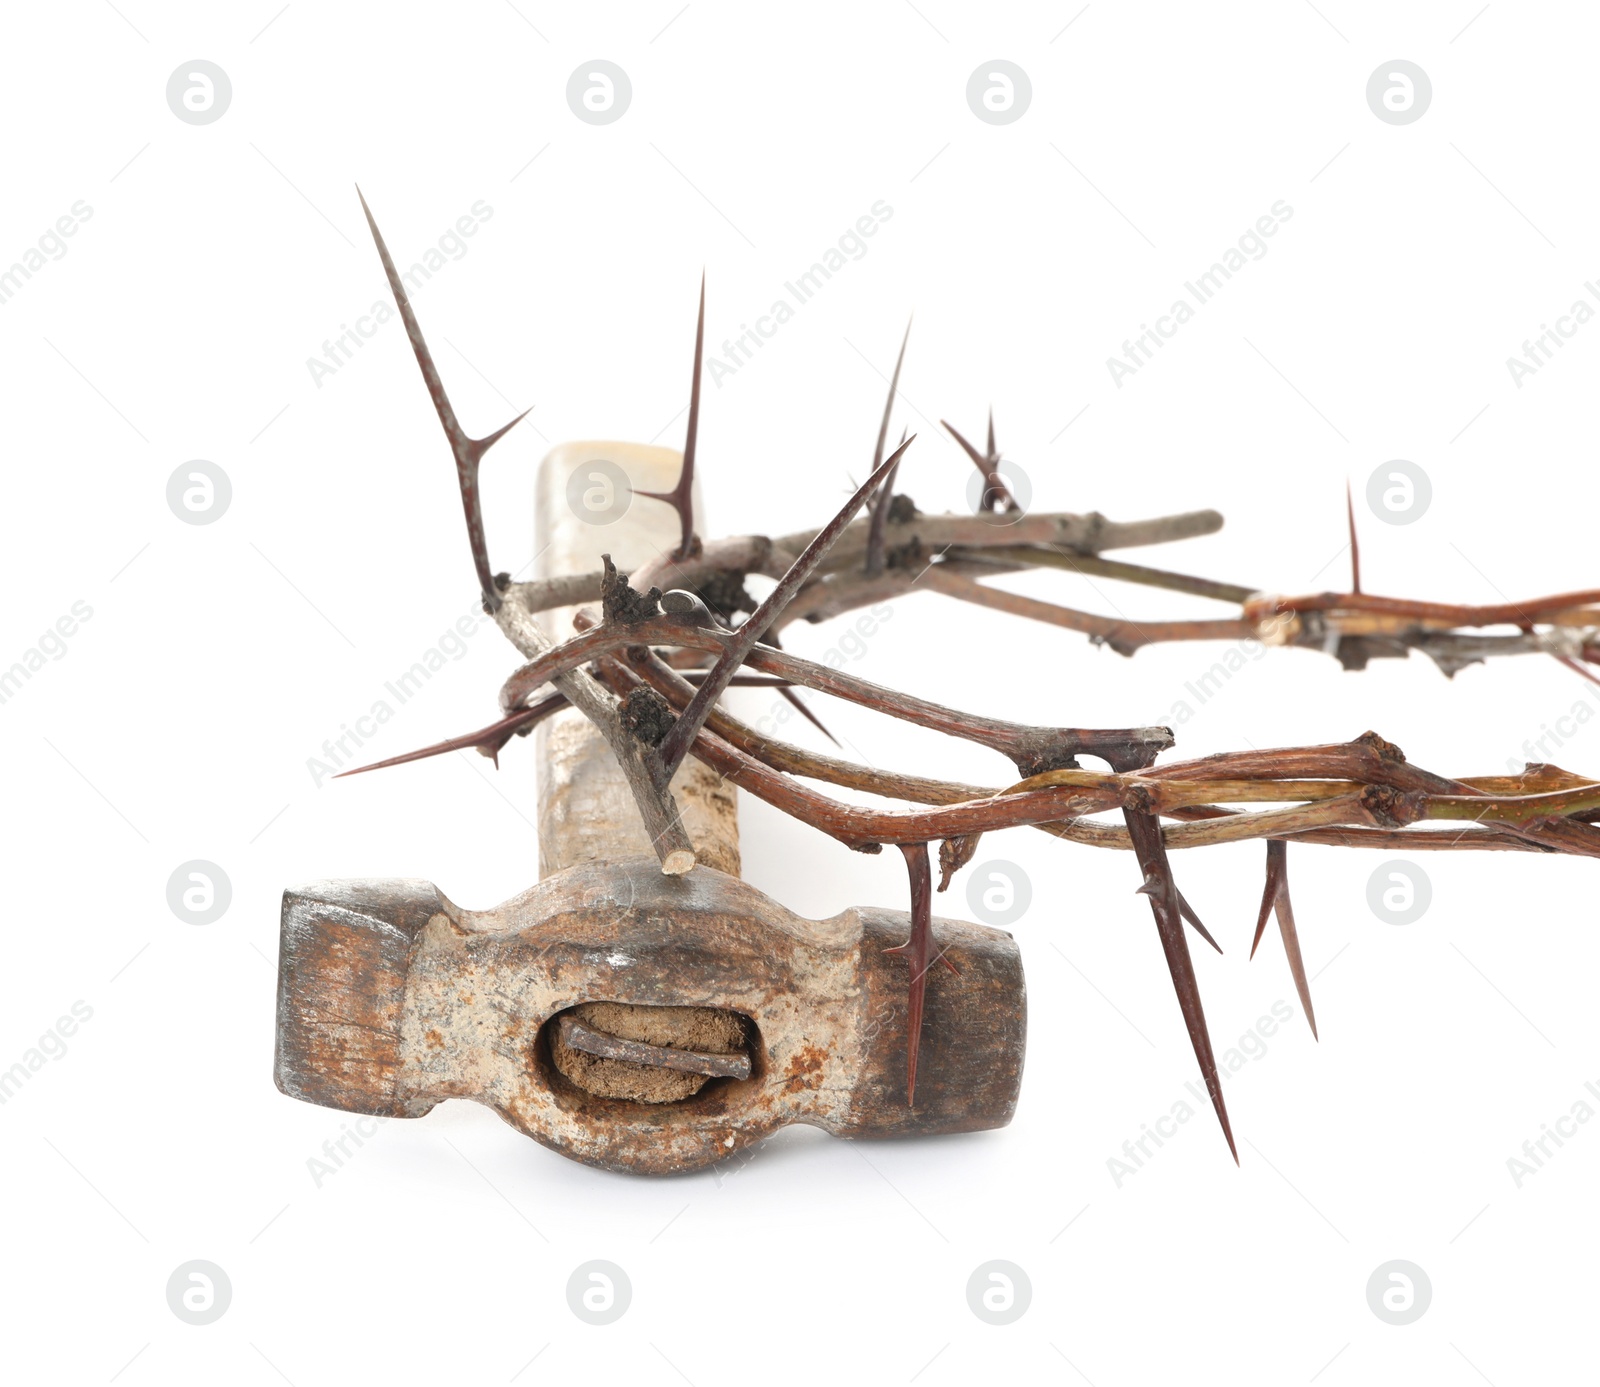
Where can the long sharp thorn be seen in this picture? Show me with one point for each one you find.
(1277, 863)
(918, 950)
(681, 497)
(888, 404)
(1578, 668)
(1355, 546)
(887, 489)
(468, 452)
(995, 489)
(1188, 914)
(1144, 829)
(1277, 859)
(880, 503)
(484, 444)
(878, 524)
(995, 480)
(1291, 943)
(491, 738)
(675, 745)
(978, 459)
(792, 696)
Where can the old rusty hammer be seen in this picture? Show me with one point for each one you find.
(391, 999)
(626, 1018)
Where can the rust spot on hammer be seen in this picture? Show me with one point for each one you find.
(805, 1068)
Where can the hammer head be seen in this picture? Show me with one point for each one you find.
(612, 979)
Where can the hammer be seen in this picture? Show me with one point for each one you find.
(626, 1018)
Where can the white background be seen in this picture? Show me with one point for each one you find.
(179, 721)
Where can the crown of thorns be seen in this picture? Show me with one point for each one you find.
(649, 667)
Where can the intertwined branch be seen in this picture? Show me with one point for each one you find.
(649, 667)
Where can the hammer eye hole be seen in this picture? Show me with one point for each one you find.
(649, 1054)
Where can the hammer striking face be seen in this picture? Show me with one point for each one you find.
(637, 1021)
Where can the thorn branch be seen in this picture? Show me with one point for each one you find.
(681, 497)
(468, 452)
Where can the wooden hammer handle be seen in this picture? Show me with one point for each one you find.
(586, 506)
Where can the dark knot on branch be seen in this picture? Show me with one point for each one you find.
(1037, 761)
(620, 603)
(724, 593)
(1139, 799)
(1392, 808)
(647, 715)
(911, 554)
(1385, 750)
(954, 854)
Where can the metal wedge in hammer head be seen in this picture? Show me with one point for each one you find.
(627, 1018)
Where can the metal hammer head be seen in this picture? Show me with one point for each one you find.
(391, 998)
